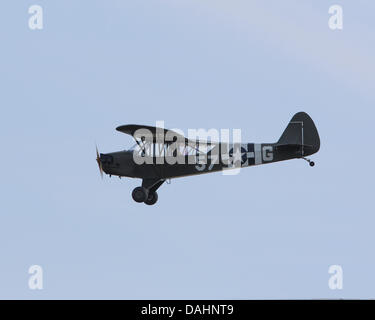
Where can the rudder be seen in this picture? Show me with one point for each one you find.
(301, 130)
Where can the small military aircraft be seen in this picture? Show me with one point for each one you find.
(160, 154)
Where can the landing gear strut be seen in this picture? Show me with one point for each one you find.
(311, 163)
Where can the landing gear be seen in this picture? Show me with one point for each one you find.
(147, 192)
(152, 198)
(140, 194)
(311, 163)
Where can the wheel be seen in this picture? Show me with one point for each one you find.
(140, 194)
(152, 198)
(312, 163)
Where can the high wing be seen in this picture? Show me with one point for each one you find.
(158, 134)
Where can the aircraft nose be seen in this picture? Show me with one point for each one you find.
(106, 159)
(116, 163)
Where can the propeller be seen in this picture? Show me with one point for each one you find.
(99, 162)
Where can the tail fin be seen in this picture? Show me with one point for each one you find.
(301, 131)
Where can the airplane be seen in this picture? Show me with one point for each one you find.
(160, 154)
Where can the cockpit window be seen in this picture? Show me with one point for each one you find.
(146, 148)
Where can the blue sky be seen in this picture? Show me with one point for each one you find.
(269, 232)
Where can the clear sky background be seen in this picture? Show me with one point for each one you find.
(270, 232)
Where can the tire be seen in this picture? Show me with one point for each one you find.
(312, 163)
(152, 198)
(140, 194)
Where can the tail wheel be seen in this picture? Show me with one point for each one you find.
(152, 198)
(140, 194)
(311, 163)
